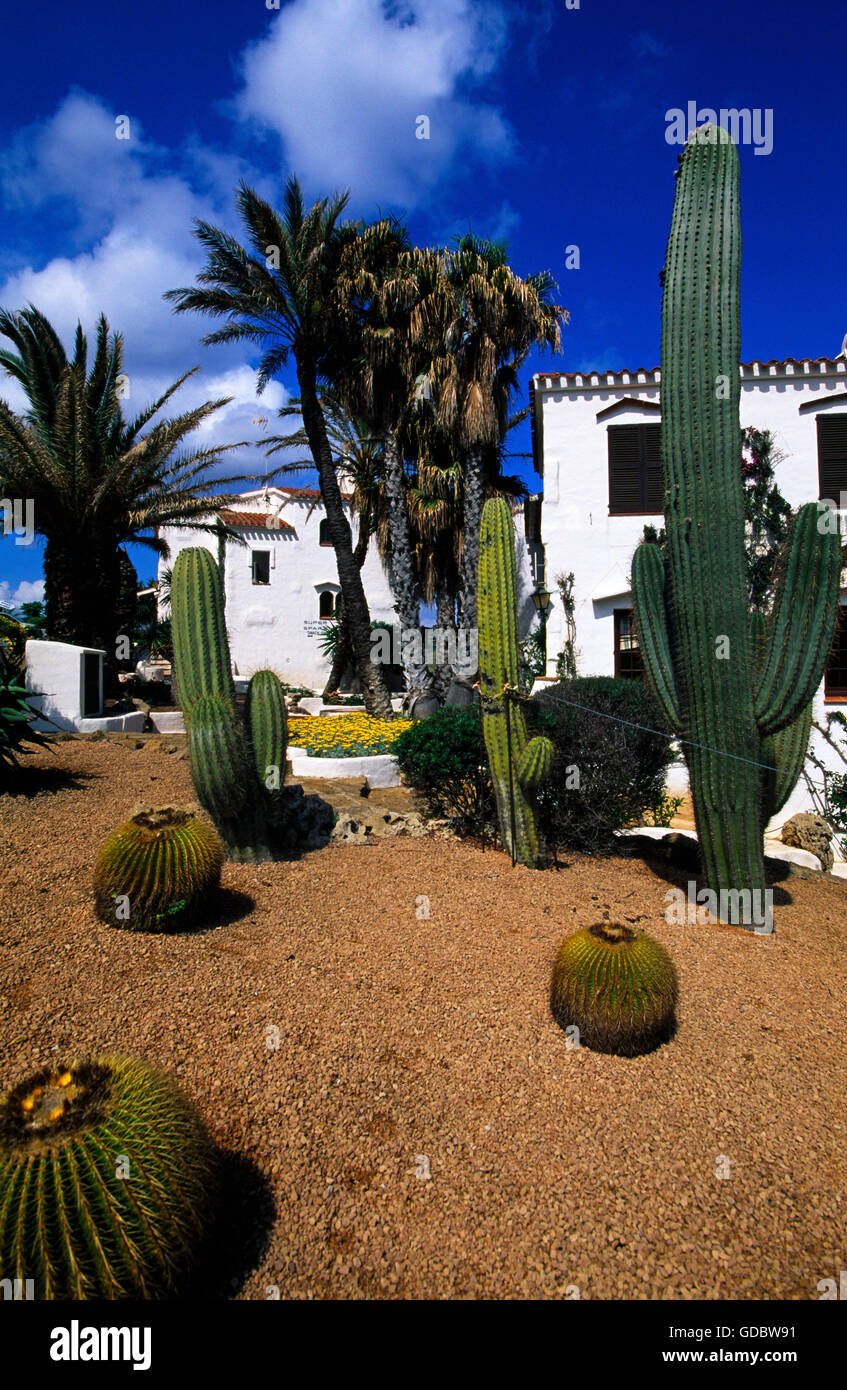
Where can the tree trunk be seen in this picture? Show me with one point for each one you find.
(82, 583)
(402, 579)
(343, 652)
(376, 697)
(445, 617)
(473, 498)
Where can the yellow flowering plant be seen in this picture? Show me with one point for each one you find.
(346, 735)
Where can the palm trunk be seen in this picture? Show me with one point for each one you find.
(474, 496)
(376, 697)
(343, 652)
(402, 578)
(445, 617)
(82, 581)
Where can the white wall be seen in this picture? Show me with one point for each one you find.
(277, 625)
(572, 455)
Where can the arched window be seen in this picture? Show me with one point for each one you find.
(323, 533)
(326, 604)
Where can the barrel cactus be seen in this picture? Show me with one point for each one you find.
(738, 699)
(106, 1176)
(159, 871)
(229, 756)
(519, 764)
(617, 986)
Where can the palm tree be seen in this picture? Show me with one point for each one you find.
(284, 298)
(95, 480)
(378, 379)
(358, 457)
(479, 322)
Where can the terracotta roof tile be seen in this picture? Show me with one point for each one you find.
(254, 521)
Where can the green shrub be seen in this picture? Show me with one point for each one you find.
(443, 759)
(606, 772)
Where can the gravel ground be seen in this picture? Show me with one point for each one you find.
(421, 1129)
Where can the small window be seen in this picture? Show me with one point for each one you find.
(636, 485)
(323, 533)
(326, 604)
(627, 656)
(832, 456)
(835, 676)
(261, 562)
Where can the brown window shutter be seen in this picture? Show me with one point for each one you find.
(654, 481)
(624, 470)
(636, 483)
(832, 455)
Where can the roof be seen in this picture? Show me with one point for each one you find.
(651, 376)
(255, 521)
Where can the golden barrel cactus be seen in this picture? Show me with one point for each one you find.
(617, 986)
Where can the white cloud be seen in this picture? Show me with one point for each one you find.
(26, 591)
(145, 246)
(342, 83)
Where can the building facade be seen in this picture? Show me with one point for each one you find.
(596, 446)
(281, 581)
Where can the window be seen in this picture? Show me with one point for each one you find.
(835, 675)
(635, 469)
(627, 656)
(261, 563)
(832, 455)
(324, 537)
(326, 604)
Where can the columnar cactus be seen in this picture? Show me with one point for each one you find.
(106, 1180)
(228, 762)
(518, 763)
(692, 612)
(267, 724)
(163, 864)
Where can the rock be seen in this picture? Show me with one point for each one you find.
(301, 822)
(461, 694)
(811, 833)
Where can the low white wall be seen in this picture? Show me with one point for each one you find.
(381, 770)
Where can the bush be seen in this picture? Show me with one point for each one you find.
(606, 773)
(443, 759)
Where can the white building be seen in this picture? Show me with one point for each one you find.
(596, 445)
(281, 583)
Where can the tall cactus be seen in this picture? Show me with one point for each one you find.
(224, 757)
(736, 701)
(518, 763)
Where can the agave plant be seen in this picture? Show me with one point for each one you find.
(16, 715)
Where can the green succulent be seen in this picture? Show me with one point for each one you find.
(617, 986)
(16, 714)
(106, 1180)
(165, 862)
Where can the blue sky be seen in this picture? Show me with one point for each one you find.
(547, 128)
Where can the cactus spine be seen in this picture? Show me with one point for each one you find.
(105, 1179)
(224, 757)
(692, 613)
(518, 763)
